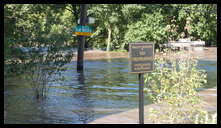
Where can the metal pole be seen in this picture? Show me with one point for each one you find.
(141, 99)
(80, 57)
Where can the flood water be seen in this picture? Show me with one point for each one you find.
(105, 87)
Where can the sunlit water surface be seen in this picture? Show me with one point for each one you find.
(105, 87)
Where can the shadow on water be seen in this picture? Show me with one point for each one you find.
(105, 87)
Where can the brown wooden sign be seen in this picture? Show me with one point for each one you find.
(141, 57)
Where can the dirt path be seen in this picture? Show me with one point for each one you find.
(97, 54)
(208, 53)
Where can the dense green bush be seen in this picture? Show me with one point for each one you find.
(116, 24)
(119, 25)
(174, 77)
(174, 83)
(153, 29)
(34, 28)
(37, 27)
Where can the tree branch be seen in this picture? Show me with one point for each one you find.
(70, 10)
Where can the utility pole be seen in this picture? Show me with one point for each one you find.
(81, 39)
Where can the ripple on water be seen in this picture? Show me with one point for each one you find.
(105, 87)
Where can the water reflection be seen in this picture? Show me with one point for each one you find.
(81, 77)
(85, 104)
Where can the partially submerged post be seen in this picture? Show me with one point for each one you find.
(80, 55)
(141, 61)
(81, 31)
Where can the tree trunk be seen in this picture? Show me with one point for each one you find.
(109, 40)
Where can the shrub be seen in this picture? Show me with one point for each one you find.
(173, 83)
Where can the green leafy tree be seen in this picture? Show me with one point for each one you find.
(36, 27)
(152, 27)
(203, 22)
(108, 15)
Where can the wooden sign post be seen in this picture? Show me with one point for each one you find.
(141, 61)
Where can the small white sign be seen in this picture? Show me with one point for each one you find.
(91, 20)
